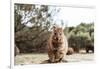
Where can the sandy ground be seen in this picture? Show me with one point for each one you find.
(41, 58)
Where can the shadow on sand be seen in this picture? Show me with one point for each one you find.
(48, 62)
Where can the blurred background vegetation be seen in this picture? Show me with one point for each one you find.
(33, 25)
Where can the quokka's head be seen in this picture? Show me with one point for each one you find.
(57, 35)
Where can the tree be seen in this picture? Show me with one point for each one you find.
(32, 25)
(79, 36)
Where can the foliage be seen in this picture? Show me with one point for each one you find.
(32, 25)
(79, 36)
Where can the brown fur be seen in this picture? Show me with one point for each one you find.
(70, 51)
(57, 45)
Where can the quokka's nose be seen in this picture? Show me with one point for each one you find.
(56, 38)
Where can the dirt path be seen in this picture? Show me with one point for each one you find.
(41, 58)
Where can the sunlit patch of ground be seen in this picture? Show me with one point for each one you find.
(42, 58)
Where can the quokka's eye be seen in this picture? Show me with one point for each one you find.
(55, 33)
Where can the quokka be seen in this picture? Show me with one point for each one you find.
(57, 45)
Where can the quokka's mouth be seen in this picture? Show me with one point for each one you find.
(57, 42)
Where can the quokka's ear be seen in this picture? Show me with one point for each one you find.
(54, 27)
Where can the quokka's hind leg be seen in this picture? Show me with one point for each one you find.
(60, 60)
(62, 56)
(51, 57)
(59, 57)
